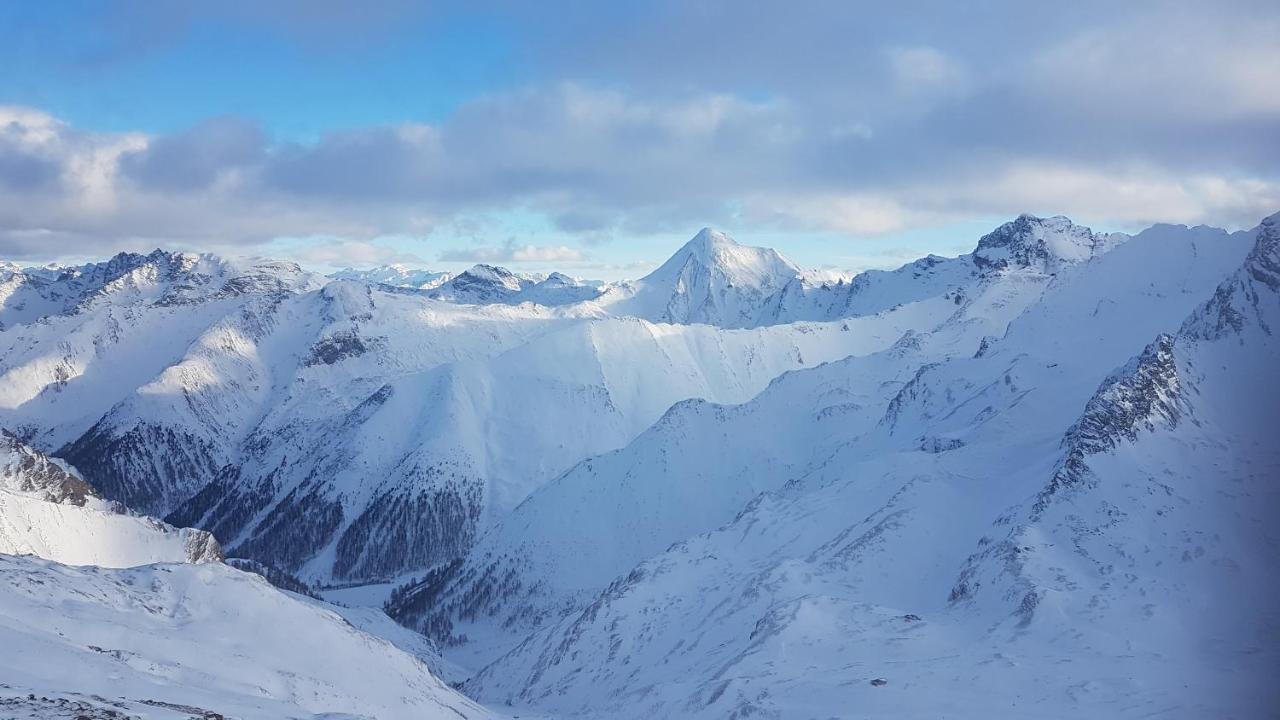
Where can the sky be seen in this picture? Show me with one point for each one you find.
(595, 138)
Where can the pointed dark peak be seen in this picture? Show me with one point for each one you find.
(126, 262)
(1015, 232)
(1035, 242)
(486, 271)
(558, 279)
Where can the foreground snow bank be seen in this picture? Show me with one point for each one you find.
(198, 638)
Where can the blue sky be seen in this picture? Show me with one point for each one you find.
(597, 137)
(94, 65)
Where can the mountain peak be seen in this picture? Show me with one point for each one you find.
(709, 239)
(559, 278)
(713, 279)
(492, 273)
(1043, 243)
(482, 283)
(714, 252)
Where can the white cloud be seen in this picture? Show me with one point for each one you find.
(1129, 196)
(513, 253)
(336, 252)
(1184, 65)
(854, 214)
(1115, 124)
(923, 69)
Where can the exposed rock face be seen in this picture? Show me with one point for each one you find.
(489, 284)
(27, 470)
(1146, 394)
(337, 347)
(1045, 244)
(1246, 297)
(46, 509)
(201, 546)
(481, 284)
(1263, 264)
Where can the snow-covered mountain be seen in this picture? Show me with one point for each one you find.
(879, 483)
(308, 427)
(153, 625)
(979, 486)
(430, 456)
(480, 285)
(715, 280)
(394, 275)
(160, 278)
(485, 284)
(554, 556)
(711, 280)
(77, 344)
(1042, 245)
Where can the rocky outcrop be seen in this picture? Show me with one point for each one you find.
(1146, 394)
(26, 470)
(1044, 244)
(83, 525)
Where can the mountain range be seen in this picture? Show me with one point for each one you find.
(1015, 482)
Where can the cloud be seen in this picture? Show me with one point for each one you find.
(1195, 66)
(926, 70)
(828, 117)
(197, 158)
(1117, 197)
(513, 253)
(336, 252)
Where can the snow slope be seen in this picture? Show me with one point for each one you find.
(701, 464)
(48, 511)
(1049, 551)
(164, 641)
(175, 640)
(96, 333)
(431, 457)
